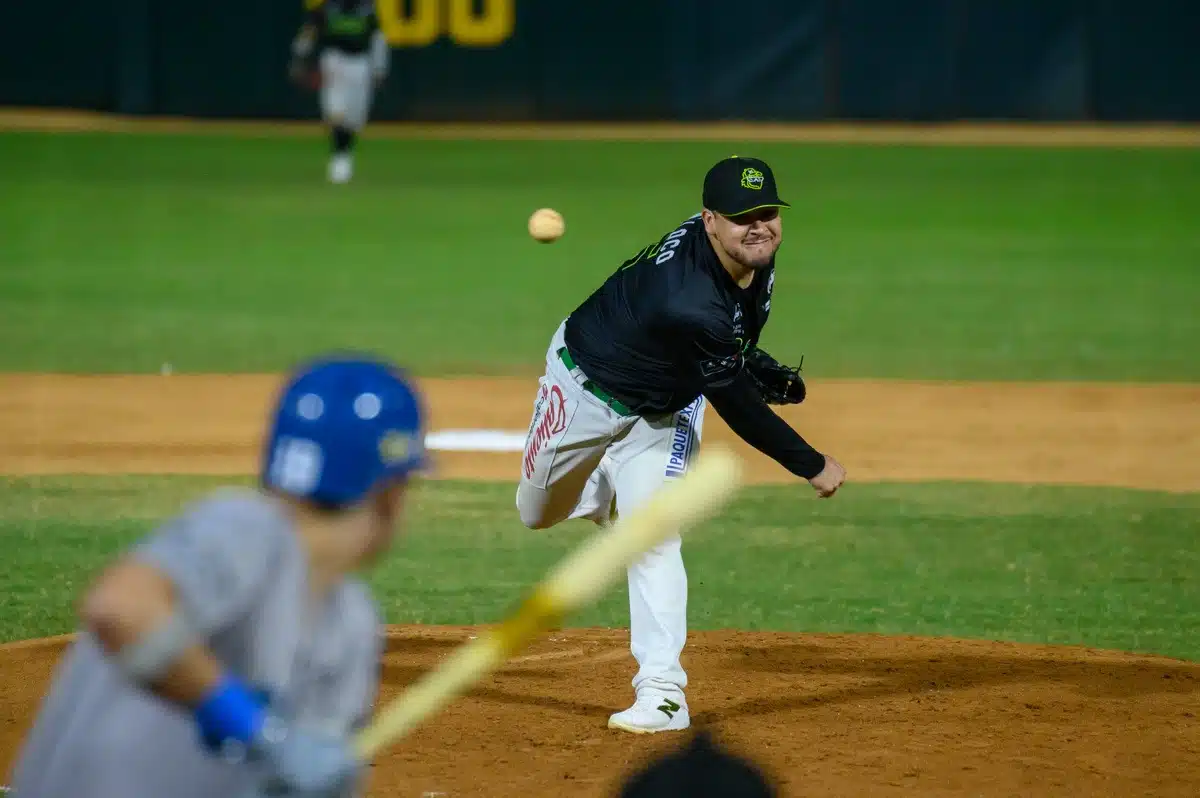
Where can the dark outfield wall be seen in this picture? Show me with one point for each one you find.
(631, 59)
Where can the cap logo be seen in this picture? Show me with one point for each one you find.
(752, 178)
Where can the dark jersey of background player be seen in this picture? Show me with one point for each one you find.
(345, 25)
(671, 324)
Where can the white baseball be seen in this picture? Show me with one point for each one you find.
(546, 225)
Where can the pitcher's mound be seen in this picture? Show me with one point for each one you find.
(826, 714)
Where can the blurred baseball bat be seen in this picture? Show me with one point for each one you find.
(578, 579)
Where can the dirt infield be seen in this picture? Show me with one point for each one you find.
(828, 715)
(1139, 436)
(957, 133)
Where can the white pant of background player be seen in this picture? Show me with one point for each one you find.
(346, 91)
(583, 459)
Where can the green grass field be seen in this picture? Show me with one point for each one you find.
(225, 254)
(1119, 569)
(217, 253)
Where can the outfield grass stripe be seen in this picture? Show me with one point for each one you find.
(1099, 567)
(221, 253)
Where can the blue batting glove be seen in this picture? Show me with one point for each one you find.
(293, 760)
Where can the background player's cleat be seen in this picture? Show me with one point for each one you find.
(654, 711)
(341, 168)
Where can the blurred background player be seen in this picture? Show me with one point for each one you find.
(352, 58)
(232, 653)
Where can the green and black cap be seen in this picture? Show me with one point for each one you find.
(739, 185)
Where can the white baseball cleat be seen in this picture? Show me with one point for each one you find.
(341, 168)
(654, 711)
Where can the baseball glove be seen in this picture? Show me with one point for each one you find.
(777, 384)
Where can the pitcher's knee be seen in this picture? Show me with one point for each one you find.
(533, 511)
(535, 517)
(534, 521)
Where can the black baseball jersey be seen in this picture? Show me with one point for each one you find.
(671, 324)
(345, 25)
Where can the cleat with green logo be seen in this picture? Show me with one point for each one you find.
(655, 710)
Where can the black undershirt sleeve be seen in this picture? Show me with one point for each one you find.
(718, 354)
(753, 420)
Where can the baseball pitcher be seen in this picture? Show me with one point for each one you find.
(232, 652)
(353, 61)
(621, 406)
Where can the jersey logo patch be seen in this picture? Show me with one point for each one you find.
(752, 178)
(718, 364)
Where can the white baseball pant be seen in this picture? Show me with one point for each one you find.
(346, 89)
(583, 459)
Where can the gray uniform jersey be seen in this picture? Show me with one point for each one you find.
(241, 575)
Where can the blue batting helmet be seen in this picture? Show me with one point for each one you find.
(342, 425)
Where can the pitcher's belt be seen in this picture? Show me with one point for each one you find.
(593, 388)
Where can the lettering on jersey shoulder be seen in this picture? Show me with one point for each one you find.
(667, 247)
(664, 250)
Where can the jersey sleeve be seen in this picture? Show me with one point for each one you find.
(218, 555)
(716, 352)
(361, 684)
(742, 407)
(359, 687)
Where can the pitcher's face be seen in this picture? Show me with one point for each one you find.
(751, 239)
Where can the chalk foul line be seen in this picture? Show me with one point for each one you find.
(475, 440)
